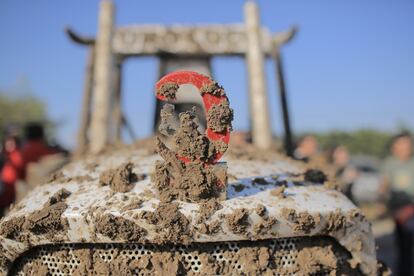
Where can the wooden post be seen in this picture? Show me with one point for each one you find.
(100, 135)
(259, 110)
(86, 103)
(117, 110)
(283, 101)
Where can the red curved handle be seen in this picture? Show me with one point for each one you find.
(198, 80)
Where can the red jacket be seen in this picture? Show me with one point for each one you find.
(16, 165)
(11, 171)
(33, 151)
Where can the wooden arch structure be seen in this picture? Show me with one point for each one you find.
(102, 117)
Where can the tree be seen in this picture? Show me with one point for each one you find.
(364, 141)
(19, 110)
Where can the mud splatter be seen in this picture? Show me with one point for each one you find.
(214, 89)
(167, 120)
(238, 187)
(188, 140)
(335, 221)
(4, 261)
(260, 210)
(91, 166)
(195, 179)
(170, 224)
(317, 260)
(278, 191)
(219, 117)
(11, 228)
(59, 177)
(135, 204)
(264, 226)
(208, 208)
(168, 90)
(121, 179)
(315, 176)
(118, 228)
(259, 181)
(175, 180)
(49, 219)
(238, 221)
(304, 222)
(216, 147)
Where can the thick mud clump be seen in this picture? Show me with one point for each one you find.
(303, 221)
(315, 260)
(278, 191)
(49, 219)
(238, 221)
(167, 120)
(216, 147)
(118, 228)
(208, 208)
(335, 222)
(176, 180)
(168, 90)
(11, 228)
(4, 261)
(191, 181)
(170, 224)
(187, 172)
(315, 176)
(219, 117)
(214, 89)
(188, 140)
(121, 179)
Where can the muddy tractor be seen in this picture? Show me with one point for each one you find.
(187, 203)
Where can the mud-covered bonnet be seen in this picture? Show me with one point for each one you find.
(265, 200)
(117, 196)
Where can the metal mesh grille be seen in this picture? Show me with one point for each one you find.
(66, 259)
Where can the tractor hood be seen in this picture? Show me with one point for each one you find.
(266, 199)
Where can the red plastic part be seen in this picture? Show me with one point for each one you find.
(198, 80)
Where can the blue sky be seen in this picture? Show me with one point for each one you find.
(350, 66)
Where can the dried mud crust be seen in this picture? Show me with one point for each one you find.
(166, 126)
(219, 117)
(118, 228)
(47, 221)
(59, 177)
(171, 226)
(192, 181)
(312, 172)
(238, 221)
(303, 221)
(306, 256)
(168, 90)
(187, 172)
(214, 89)
(121, 179)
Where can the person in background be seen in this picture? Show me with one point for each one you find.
(35, 146)
(338, 156)
(307, 148)
(10, 172)
(398, 173)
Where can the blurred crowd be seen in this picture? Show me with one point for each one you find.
(388, 183)
(19, 157)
